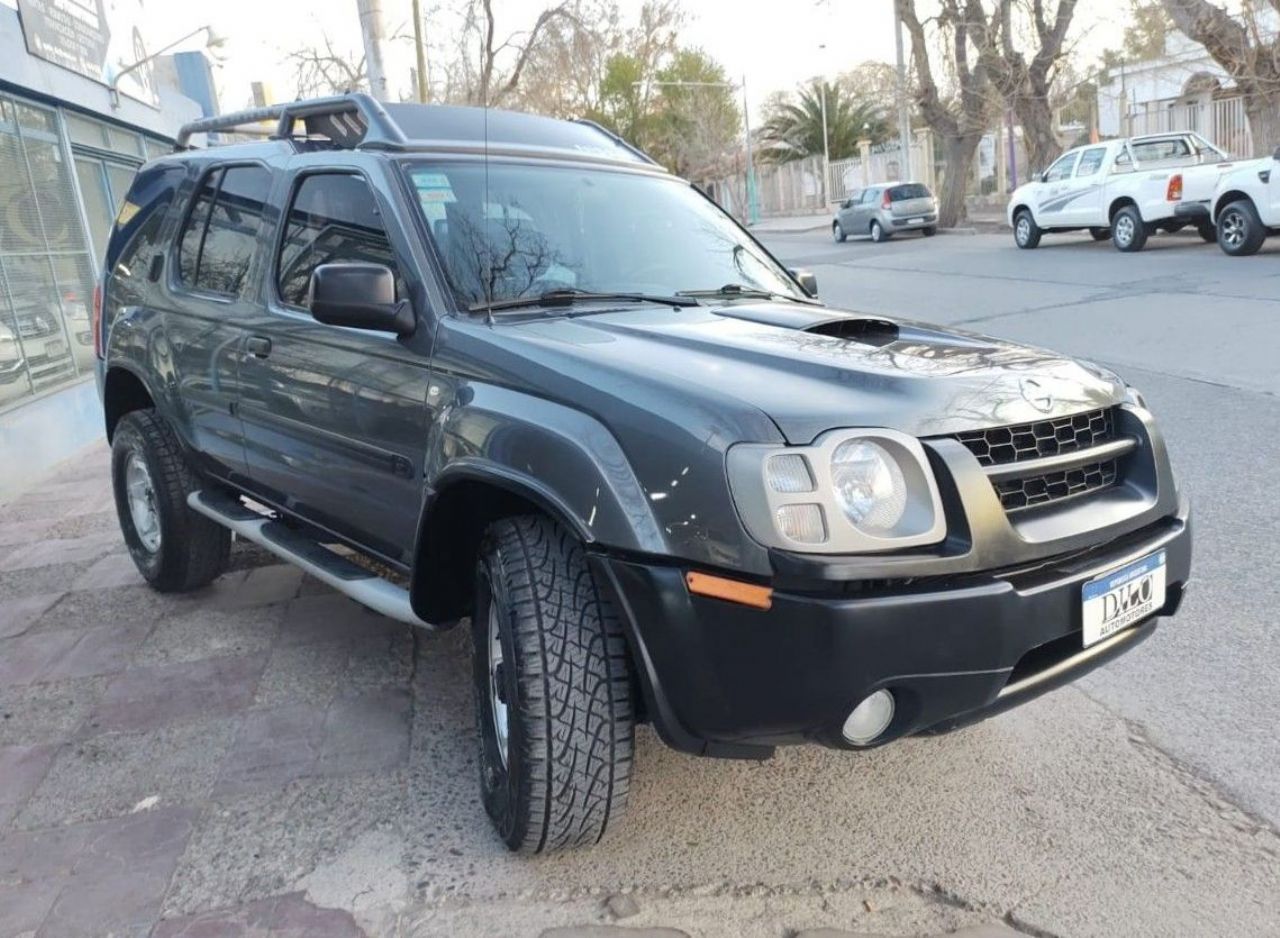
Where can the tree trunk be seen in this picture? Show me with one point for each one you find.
(960, 152)
(1263, 110)
(1036, 117)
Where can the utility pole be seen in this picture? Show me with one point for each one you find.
(420, 50)
(753, 204)
(374, 35)
(904, 114)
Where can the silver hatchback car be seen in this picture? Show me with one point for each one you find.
(886, 209)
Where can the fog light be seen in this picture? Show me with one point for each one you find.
(869, 718)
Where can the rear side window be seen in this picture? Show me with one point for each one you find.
(910, 190)
(1090, 161)
(870, 195)
(217, 244)
(333, 218)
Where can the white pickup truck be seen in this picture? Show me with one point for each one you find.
(1246, 206)
(1124, 189)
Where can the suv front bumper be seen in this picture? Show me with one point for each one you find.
(723, 679)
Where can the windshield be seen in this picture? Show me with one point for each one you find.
(509, 231)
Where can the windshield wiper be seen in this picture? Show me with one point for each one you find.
(568, 297)
(736, 291)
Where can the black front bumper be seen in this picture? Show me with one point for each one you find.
(724, 679)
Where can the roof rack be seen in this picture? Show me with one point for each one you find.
(349, 120)
(618, 139)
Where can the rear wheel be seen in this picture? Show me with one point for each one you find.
(837, 232)
(1128, 231)
(174, 548)
(553, 690)
(878, 234)
(1207, 232)
(1240, 230)
(1100, 234)
(1026, 233)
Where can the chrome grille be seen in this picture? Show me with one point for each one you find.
(1001, 445)
(1055, 454)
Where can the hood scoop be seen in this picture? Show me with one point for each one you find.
(866, 330)
(875, 332)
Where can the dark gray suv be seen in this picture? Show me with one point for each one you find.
(505, 369)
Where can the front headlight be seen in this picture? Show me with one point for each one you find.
(851, 491)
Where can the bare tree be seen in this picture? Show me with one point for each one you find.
(958, 117)
(1247, 52)
(1026, 83)
(325, 70)
(490, 61)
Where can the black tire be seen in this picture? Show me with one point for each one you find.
(191, 550)
(1240, 230)
(1207, 232)
(1128, 231)
(568, 699)
(1100, 234)
(929, 231)
(1026, 233)
(878, 234)
(837, 232)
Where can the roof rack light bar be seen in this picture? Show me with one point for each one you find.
(379, 130)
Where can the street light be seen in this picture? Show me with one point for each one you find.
(826, 149)
(212, 41)
(753, 207)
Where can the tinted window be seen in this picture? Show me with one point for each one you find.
(1062, 168)
(910, 190)
(218, 242)
(1090, 161)
(333, 218)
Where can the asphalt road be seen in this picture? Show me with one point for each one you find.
(1199, 334)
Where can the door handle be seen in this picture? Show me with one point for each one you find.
(259, 346)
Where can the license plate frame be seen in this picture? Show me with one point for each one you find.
(1123, 597)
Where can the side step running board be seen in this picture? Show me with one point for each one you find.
(311, 556)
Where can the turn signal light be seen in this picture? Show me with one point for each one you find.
(734, 591)
(1174, 192)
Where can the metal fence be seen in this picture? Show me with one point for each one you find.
(1222, 120)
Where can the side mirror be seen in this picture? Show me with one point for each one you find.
(1043, 176)
(360, 296)
(807, 280)
(847, 203)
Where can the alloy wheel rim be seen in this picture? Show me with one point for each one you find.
(497, 692)
(141, 496)
(835, 231)
(1124, 229)
(875, 231)
(1024, 230)
(1233, 229)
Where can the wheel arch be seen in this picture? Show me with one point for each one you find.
(1231, 195)
(123, 391)
(1121, 202)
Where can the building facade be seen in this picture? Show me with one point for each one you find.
(69, 149)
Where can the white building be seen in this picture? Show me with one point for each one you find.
(1184, 89)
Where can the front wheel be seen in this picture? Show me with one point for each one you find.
(1100, 234)
(1026, 233)
(1128, 231)
(553, 690)
(837, 233)
(174, 548)
(1240, 230)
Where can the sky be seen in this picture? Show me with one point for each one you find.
(775, 44)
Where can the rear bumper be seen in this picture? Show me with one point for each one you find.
(910, 224)
(723, 679)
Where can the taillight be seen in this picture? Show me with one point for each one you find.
(97, 320)
(1174, 192)
(886, 202)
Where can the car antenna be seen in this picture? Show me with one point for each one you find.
(484, 202)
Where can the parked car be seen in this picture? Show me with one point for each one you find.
(11, 360)
(886, 209)
(1123, 189)
(468, 365)
(1246, 206)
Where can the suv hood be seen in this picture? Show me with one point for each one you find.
(812, 369)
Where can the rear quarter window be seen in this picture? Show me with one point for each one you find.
(137, 237)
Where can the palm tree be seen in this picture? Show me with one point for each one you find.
(793, 129)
